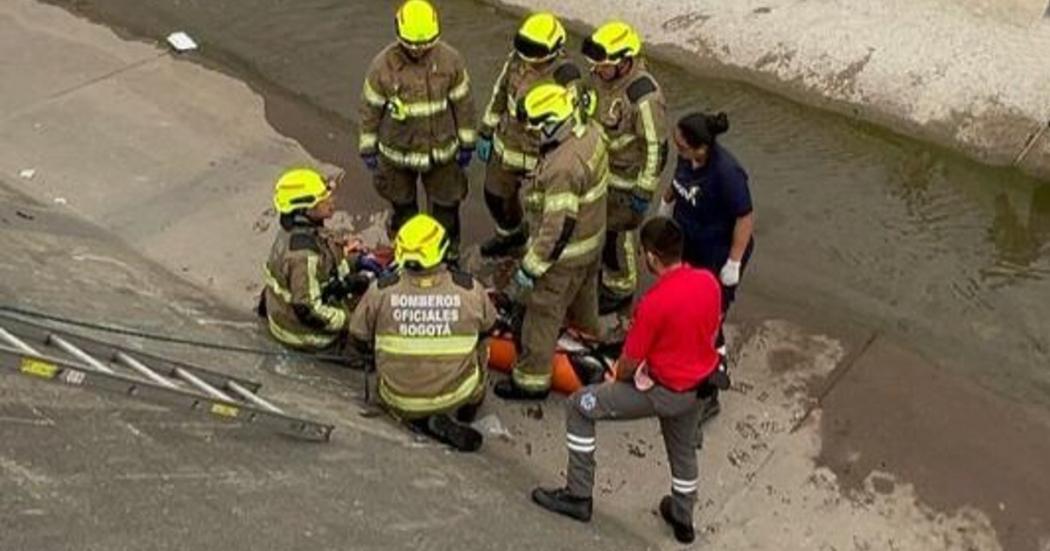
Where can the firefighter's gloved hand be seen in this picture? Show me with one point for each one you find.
(666, 208)
(371, 161)
(520, 285)
(464, 157)
(639, 204)
(730, 274)
(484, 148)
(369, 263)
(357, 284)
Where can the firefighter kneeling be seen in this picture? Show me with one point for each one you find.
(427, 326)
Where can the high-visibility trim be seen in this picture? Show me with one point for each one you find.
(536, 265)
(373, 98)
(627, 281)
(508, 232)
(416, 404)
(580, 449)
(533, 264)
(423, 109)
(621, 183)
(462, 89)
(420, 161)
(517, 160)
(367, 141)
(582, 440)
(512, 105)
(343, 269)
(491, 118)
(531, 381)
(685, 486)
(648, 178)
(335, 318)
(567, 201)
(622, 142)
(596, 192)
(467, 136)
(275, 286)
(300, 340)
(454, 345)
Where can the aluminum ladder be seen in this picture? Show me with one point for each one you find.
(45, 353)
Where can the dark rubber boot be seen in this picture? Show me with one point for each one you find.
(502, 245)
(462, 437)
(683, 531)
(507, 390)
(560, 501)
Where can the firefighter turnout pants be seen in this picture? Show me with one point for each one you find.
(620, 255)
(445, 186)
(677, 413)
(563, 293)
(502, 196)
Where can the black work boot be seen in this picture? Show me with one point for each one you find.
(683, 531)
(562, 502)
(609, 303)
(462, 437)
(507, 390)
(502, 245)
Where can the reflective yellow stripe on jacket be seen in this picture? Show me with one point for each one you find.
(536, 265)
(649, 177)
(452, 345)
(513, 159)
(415, 404)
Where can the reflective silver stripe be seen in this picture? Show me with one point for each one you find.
(430, 403)
(311, 340)
(685, 486)
(622, 142)
(368, 141)
(373, 98)
(537, 266)
(491, 118)
(271, 282)
(648, 178)
(513, 159)
(596, 192)
(424, 109)
(467, 135)
(417, 160)
(512, 106)
(452, 345)
(582, 440)
(621, 183)
(567, 201)
(628, 281)
(461, 90)
(334, 317)
(580, 449)
(531, 381)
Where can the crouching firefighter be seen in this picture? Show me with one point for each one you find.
(565, 211)
(669, 354)
(309, 276)
(426, 326)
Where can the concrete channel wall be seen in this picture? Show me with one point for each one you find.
(972, 75)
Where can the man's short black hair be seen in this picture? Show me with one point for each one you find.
(662, 237)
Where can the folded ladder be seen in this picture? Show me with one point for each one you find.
(30, 349)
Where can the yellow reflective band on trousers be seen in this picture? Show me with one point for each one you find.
(621, 183)
(538, 266)
(335, 318)
(452, 345)
(419, 404)
(649, 177)
(621, 142)
(367, 141)
(624, 281)
(516, 160)
(300, 340)
(531, 381)
(419, 160)
(462, 89)
(467, 135)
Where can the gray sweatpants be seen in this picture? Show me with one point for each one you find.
(677, 412)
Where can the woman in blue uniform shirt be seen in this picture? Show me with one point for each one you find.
(710, 200)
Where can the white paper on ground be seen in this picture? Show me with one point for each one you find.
(28, 173)
(181, 42)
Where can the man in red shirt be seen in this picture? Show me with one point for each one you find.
(669, 353)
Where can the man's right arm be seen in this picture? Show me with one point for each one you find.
(305, 285)
(497, 105)
(639, 342)
(370, 113)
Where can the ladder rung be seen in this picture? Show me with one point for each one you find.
(251, 397)
(143, 369)
(201, 385)
(79, 354)
(16, 342)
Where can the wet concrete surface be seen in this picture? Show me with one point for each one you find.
(763, 485)
(945, 253)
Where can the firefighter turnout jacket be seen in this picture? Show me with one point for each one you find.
(304, 261)
(417, 113)
(513, 143)
(428, 331)
(633, 113)
(565, 200)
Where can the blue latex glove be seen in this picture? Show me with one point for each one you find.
(464, 157)
(520, 285)
(371, 161)
(484, 148)
(369, 263)
(639, 205)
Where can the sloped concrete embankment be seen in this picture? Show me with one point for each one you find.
(969, 75)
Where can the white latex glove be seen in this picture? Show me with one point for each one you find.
(730, 275)
(666, 208)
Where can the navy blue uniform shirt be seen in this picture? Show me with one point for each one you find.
(708, 201)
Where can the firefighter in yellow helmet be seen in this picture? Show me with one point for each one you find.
(417, 120)
(427, 327)
(509, 150)
(309, 276)
(565, 212)
(632, 110)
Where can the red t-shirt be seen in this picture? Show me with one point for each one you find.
(675, 326)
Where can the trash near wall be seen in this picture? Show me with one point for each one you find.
(968, 74)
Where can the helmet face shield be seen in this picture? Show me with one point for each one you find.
(595, 53)
(534, 52)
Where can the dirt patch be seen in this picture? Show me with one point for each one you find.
(955, 442)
